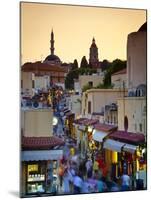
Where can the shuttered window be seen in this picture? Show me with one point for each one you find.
(89, 107)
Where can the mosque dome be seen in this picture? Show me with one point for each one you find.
(52, 58)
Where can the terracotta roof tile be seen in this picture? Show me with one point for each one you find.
(39, 66)
(105, 127)
(128, 137)
(41, 142)
(86, 121)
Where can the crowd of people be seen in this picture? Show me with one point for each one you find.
(86, 176)
(89, 175)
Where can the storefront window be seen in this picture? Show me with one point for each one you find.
(35, 178)
(35, 187)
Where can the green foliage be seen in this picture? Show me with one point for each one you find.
(84, 62)
(105, 64)
(75, 64)
(85, 69)
(86, 87)
(69, 81)
(74, 74)
(102, 86)
(99, 86)
(115, 66)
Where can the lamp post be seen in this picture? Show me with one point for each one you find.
(54, 123)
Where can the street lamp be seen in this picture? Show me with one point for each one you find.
(90, 129)
(54, 121)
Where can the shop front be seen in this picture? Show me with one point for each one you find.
(36, 177)
(124, 154)
(113, 151)
(99, 134)
(40, 171)
(95, 139)
(69, 119)
(83, 141)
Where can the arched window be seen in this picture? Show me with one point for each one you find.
(141, 90)
(125, 123)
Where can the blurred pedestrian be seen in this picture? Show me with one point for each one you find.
(85, 187)
(95, 166)
(89, 168)
(100, 185)
(67, 179)
(78, 184)
(125, 179)
(61, 173)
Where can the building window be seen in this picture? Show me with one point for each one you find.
(36, 178)
(21, 83)
(90, 83)
(125, 123)
(140, 127)
(84, 111)
(33, 84)
(89, 107)
(130, 72)
(138, 93)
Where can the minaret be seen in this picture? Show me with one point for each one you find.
(93, 40)
(52, 43)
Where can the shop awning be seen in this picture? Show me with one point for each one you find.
(129, 148)
(98, 135)
(41, 155)
(113, 145)
(128, 137)
(41, 143)
(105, 127)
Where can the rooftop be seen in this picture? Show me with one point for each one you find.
(106, 90)
(86, 121)
(39, 66)
(123, 71)
(130, 137)
(32, 143)
(105, 127)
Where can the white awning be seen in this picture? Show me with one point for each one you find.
(113, 145)
(98, 135)
(41, 155)
(129, 148)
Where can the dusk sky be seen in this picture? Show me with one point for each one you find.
(74, 27)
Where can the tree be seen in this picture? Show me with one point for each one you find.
(75, 64)
(115, 66)
(84, 63)
(105, 64)
(74, 74)
(69, 81)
